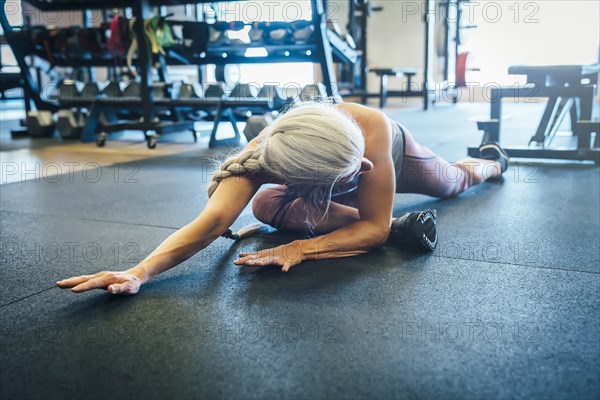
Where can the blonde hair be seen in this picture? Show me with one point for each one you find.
(309, 148)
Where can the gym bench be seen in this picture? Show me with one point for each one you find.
(570, 89)
(383, 74)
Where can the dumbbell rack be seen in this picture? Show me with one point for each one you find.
(141, 9)
(319, 51)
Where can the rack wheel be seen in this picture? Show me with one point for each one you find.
(101, 141)
(151, 141)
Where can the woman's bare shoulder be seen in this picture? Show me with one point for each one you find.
(362, 114)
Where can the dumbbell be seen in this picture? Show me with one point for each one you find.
(228, 74)
(90, 91)
(112, 91)
(187, 91)
(303, 31)
(70, 124)
(256, 33)
(215, 91)
(216, 33)
(132, 89)
(313, 92)
(162, 91)
(243, 91)
(275, 94)
(39, 123)
(255, 125)
(278, 32)
(69, 90)
(417, 230)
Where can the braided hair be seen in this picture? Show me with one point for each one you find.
(246, 162)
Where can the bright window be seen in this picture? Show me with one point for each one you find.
(531, 32)
(14, 14)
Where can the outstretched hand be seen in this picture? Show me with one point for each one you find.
(285, 256)
(118, 282)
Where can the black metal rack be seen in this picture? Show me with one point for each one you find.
(570, 90)
(320, 51)
(67, 5)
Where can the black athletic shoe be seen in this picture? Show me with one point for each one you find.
(493, 151)
(416, 229)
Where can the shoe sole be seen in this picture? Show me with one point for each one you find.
(499, 150)
(424, 218)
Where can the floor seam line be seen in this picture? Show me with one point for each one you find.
(44, 290)
(447, 258)
(519, 265)
(26, 297)
(89, 219)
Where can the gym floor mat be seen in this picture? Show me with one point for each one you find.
(507, 306)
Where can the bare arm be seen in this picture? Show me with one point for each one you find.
(375, 200)
(375, 203)
(222, 209)
(226, 204)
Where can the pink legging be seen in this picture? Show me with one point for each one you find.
(425, 172)
(422, 171)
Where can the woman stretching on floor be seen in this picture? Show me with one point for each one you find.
(336, 169)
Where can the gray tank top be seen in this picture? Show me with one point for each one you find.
(397, 156)
(398, 147)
